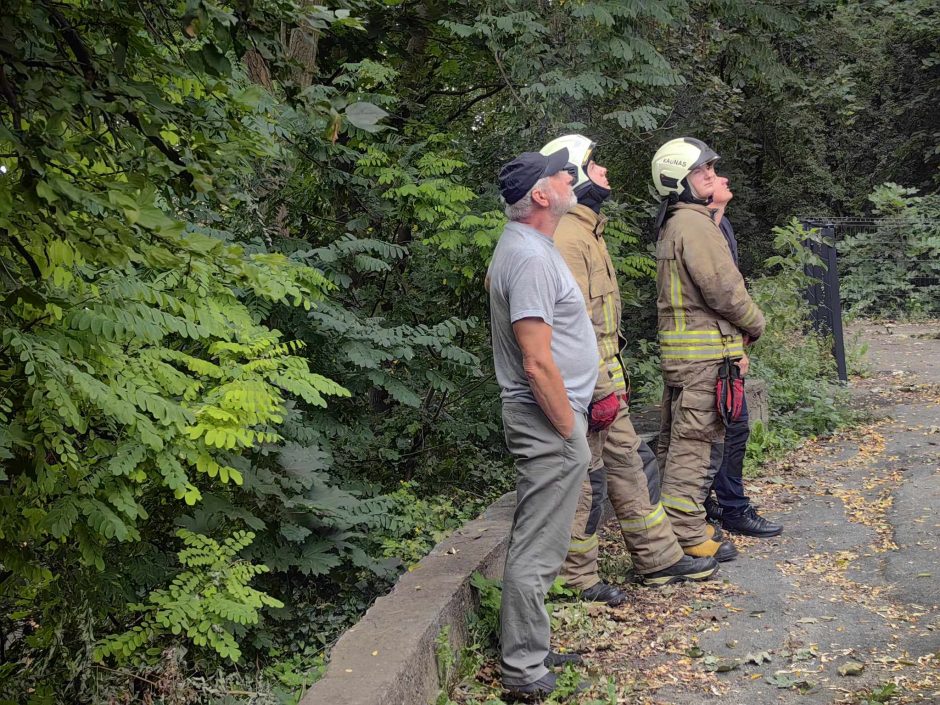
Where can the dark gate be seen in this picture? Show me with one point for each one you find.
(877, 267)
(825, 303)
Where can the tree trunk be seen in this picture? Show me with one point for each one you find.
(303, 50)
(258, 70)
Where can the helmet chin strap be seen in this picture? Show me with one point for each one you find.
(591, 195)
(672, 199)
(688, 196)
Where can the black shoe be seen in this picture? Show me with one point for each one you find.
(726, 552)
(716, 534)
(536, 690)
(750, 523)
(712, 509)
(602, 592)
(687, 568)
(555, 659)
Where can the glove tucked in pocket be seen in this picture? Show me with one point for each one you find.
(729, 392)
(603, 412)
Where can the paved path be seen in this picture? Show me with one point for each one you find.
(853, 584)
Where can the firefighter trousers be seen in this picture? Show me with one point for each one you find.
(625, 469)
(690, 451)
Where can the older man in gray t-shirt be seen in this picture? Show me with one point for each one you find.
(546, 360)
(529, 279)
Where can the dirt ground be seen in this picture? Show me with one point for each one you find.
(844, 607)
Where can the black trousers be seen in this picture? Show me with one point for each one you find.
(729, 480)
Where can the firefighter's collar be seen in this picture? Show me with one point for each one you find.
(704, 210)
(594, 221)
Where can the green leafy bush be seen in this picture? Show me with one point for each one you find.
(766, 443)
(893, 267)
(202, 603)
(795, 361)
(140, 364)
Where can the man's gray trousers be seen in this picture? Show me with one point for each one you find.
(549, 473)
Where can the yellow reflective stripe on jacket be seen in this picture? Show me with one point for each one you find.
(751, 316)
(676, 289)
(617, 374)
(654, 518)
(609, 324)
(612, 365)
(584, 546)
(730, 352)
(609, 345)
(680, 504)
(690, 334)
(704, 347)
(699, 345)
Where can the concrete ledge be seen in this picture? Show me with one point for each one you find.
(758, 400)
(403, 625)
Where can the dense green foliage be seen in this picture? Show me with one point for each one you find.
(242, 249)
(892, 266)
(201, 602)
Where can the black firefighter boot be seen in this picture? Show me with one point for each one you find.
(602, 592)
(750, 523)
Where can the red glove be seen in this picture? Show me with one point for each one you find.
(729, 392)
(601, 413)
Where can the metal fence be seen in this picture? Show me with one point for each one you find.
(872, 267)
(888, 266)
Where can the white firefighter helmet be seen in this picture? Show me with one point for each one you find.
(673, 162)
(580, 149)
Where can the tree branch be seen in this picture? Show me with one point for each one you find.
(464, 108)
(18, 246)
(83, 56)
(502, 72)
(10, 96)
(164, 148)
(72, 38)
(465, 91)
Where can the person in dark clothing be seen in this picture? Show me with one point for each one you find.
(733, 508)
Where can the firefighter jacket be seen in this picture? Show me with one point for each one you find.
(702, 304)
(580, 240)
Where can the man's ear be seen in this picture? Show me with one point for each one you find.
(540, 197)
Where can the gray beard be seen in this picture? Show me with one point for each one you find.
(559, 207)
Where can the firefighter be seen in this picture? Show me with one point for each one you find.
(621, 463)
(733, 509)
(706, 318)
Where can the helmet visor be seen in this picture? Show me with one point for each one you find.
(706, 156)
(588, 156)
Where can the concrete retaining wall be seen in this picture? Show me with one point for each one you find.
(388, 657)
